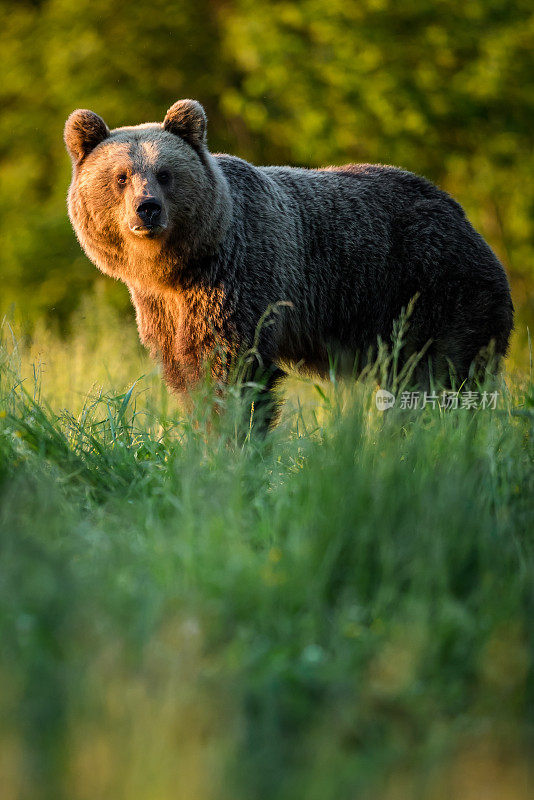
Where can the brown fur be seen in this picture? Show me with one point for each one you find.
(344, 249)
(183, 326)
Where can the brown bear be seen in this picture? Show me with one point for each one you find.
(208, 243)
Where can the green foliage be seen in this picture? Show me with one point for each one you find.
(342, 610)
(441, 87)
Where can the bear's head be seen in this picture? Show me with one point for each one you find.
(145, 198)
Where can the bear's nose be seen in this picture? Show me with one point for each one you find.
(149, 210)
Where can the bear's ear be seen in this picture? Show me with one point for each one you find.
(187, 119)
(83, 131)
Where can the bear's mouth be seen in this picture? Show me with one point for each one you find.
(147, 231)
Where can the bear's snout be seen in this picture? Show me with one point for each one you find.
(149, 211)
(148, 217)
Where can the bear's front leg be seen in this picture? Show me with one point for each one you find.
(262, 406)
(193, 348)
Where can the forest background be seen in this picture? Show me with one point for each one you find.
(440, 87)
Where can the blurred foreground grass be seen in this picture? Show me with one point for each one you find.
(342, 611)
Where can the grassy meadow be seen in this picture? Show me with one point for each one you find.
(342, 610)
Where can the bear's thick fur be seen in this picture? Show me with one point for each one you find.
(207, 243)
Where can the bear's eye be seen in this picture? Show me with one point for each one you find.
(122, 177)
(163, 176)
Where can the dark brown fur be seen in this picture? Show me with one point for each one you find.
(337, 252)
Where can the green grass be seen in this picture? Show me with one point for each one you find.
(343, 610)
